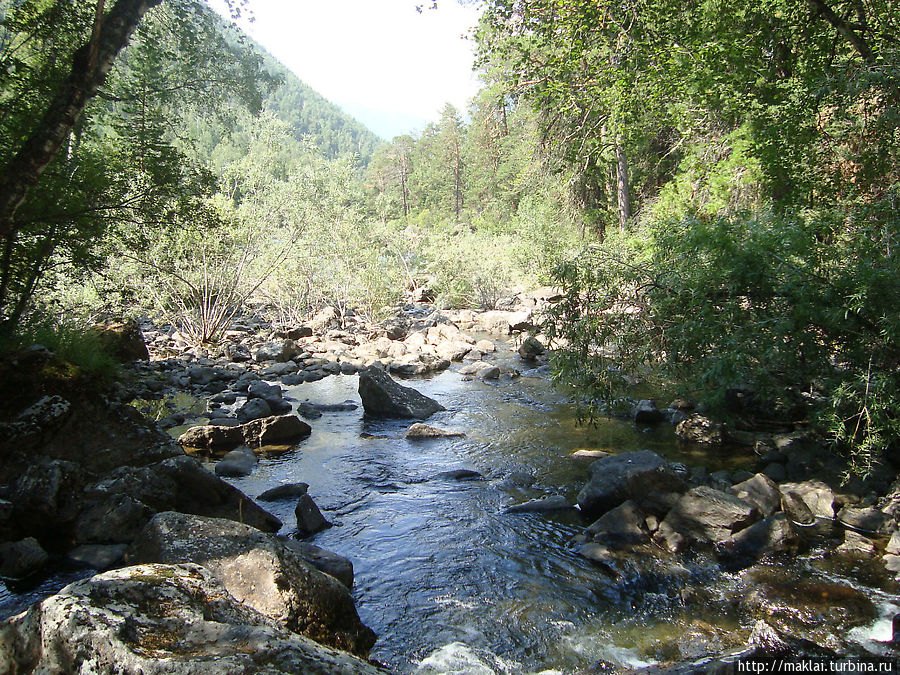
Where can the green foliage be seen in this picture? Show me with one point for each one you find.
(77, 345)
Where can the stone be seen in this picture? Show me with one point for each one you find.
(775, 471)
(643, 476)
(237, 463)
(796, 509)
(459, 474)
(324, 560)
(287, 491)
(530, 349)
(542, 505)
(237, 353)
(160, 620)
(21, 559)
(419, 431)
(383, 397)
(212, 437)
(254, 409)
(123, 340)
(309, 519)
(97, 556)
(182, 484)
(866, 519)
(761, 491)
(47, 496)
(585, 453)
(260, 571)
(452, 351)
(704, 515)
(700, 429)
(485, 346)
(278, 350)
(202, 375)
(622, 526)
(761, 540)
(893, 545)
(111, 519)
(474, 368)
(275, 430)
(856, 544)
(646, 412)
(489, 373)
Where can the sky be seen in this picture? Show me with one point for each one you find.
(381, 61)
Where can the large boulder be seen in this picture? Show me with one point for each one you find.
(261, 572)
(817, 496)
(642, 476)
(383, 397)
(621, 527)
(704, 515)
(155, 620)
(182, 484)
(211, 437)
(123, 340)
(700, 429)
(275, 430)
(278, 350)
(19, 559)
(761, 540)
(761, 491)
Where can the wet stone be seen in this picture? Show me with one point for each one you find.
(289, 491)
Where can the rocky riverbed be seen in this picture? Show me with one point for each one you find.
(496, 507)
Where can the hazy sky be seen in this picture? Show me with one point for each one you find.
(384, 63)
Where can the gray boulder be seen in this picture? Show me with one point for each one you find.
(531, 349)
(160, 620)
(796, 509)
(278, 350)
(542, 505)
(182, 484)
(419, 431)
(309, 519)
(383, 397)
(700, 429)
(324, 560)
(761, 491)
(212, 437)
(111, 519)
(865, 519)
(288, 491)
(646, 412)
(258, 570)
(818, 496)
(620, 527)
(254, 409)
(642, 476)
(237, 463)
(20, 559)
(275, 430)
(761, 540)
(97, 556)
(704, 515)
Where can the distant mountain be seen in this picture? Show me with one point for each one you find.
(335, 132)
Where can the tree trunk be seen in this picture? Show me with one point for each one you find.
(90, 65)
(622, 185)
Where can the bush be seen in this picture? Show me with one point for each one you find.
(781, 303)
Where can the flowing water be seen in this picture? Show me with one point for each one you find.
(449, 581)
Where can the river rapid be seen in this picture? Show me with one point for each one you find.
(451, 583)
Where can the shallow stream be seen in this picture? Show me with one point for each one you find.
(451, 583)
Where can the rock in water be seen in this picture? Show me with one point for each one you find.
(420, 431)
(19, 559)
(383, 397)
(309, 519)
(261, 572)
(642, 476)
(287, 491)
(160, 619)
(706, 516)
